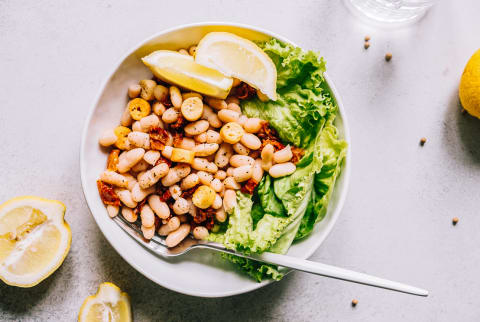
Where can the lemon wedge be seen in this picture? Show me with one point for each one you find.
(182, 70)
(34, 239)
(238, 57)
(110, 304)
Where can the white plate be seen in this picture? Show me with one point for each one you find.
(201, 272)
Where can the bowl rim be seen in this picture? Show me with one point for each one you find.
(345, 172)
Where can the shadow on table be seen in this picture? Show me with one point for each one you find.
(462, 132)
(150, 300)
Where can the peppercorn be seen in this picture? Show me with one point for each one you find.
(423, 141)
(455, 220)
(388, 56)
(354, 302)
(366, 45)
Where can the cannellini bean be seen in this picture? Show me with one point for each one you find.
(128, 159)
(200, 232)
(282, 169)
(192, 50)
(230, 183)
(153, 175)
(216, 185)
(253, 125)
(218, 202)
(167, 152)
(267, 157)
(192, 108)
(238, 160)
(220, 215)
(148, 232)
(171, 178)
(126, 198)
(204, 177)
(242, 120)
(192, 209)
(158, 108)
(229, 200)
(183, 170)
(223, 155)
(216, 103)
(175, 97)
(114, 178)
(159, 207)
(137, 127)
(169, 226)
(112, 210)
(186, 143)
(205, 149)
(214, 121)
(141, 165)
(147, 216)
(189, 181)
(149, 122)
(257, 172)
(175, 191)
(243, 173)
(129, 215)
(126, 119)
(201, 138)
(131, 181)
(134, 90)
(220, 174)
(191, 94)
(151, 157)
(170, 115)
(180, 206)
(160, 92)
(234, 107)
(241, 149)
(139, 139)
(230, 171)
(107, 138)
(213, 137)
(175, 237)
(147, 89)
(138, 194)
(283, 155)
(251, 141)
(203, 165)
(196, 127)
(227, 115)
(262, 97)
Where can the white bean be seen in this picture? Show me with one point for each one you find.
(126, 119)
(220, 174)
(151, 157)
(175, 237)
(200, 232)
(186, 143)
(204, 177)
(213, 137)
(159, 207)
(251, 141)
(138, 194)
(149, 122)
(229, 200)
(139, 139)
(126, 198)
(175, 191)
(175, 97)
(230, 171)
(170, 116)
(242, 120)
(141, 165)
(137, 127)
(241, 149)
(216, 103)
(196, 127)
(234, 107)
(167, 152)
(131, 181)
(267, 157)
(189, 181)
(238, 160)
(153, 175)
(282, 169)
(231, 183)
(216, 185)
(169, 226)
(218, 202)
(171, 178)
(214, 121)
(205, 149)
(158, 108)
(243, 173)
(183, 170)
(203, 165)
(114, 178)
(257, 170)
(107, 138)
(148, 232)
(180, 206)
(129, 215)
(128, 159)
(160, 92)
(253, 125)
(134, 90)
(147, 216)
(220, 215)
(112, 210)
(201, 138)
(147, 89)
(223, 155)
(283, 155)
(227, 115)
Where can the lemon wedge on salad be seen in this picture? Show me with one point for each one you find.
(175, 68)
(34, 239)
(110, 304)
(240, 58)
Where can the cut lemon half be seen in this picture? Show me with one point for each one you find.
(182, 70)
(240, 58)
(34, 239)
(110, 304)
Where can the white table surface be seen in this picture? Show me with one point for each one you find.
(396, 222)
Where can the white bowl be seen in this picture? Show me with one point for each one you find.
(199, 273)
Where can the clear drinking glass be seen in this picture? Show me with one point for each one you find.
(390, 12)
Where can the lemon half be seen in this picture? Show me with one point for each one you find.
(182, 70)
(469, 89)
(110, 304)
(34, 239)
(240, 58)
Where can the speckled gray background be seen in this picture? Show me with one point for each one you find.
(397, 219)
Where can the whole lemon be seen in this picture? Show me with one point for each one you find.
(469, 90)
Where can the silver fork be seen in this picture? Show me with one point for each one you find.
(158, 246)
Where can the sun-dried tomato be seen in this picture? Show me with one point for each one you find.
(249, 186)
(165, 195)
(205, 217)
(277, 145)
(139, 207)
(164, 160)
(177, 139)
(188, 193)
(159, 134)
(297, 154)
(112, 160)
(179, 123)
(107, 194)
(255, 154)
(266, 132)
(245, 91)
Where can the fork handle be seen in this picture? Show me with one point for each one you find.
(327, 271)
